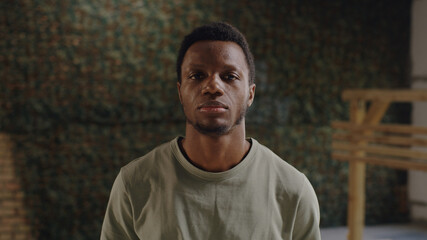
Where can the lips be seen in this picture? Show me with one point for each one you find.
(213, 107)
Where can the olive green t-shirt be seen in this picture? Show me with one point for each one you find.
(163, 196)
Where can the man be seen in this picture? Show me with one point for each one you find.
(214, 183)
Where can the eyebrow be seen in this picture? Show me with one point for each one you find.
(195, 65)
(226, 66)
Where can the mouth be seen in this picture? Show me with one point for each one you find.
(212, 107)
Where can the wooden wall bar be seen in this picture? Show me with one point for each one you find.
(363, 140)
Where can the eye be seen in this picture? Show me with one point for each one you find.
(230, 77)
(196, 76)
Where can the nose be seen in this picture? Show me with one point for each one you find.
(213, 86)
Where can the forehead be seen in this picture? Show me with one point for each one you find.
(216, 52)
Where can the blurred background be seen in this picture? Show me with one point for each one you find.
(88, 86)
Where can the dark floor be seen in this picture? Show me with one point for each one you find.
(416, 231)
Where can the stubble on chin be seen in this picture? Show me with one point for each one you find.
(217, 130)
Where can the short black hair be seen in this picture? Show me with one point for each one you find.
(216, 31)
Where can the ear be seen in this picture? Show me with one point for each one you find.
(251, 94)
(178, 86)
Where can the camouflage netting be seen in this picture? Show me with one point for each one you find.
(87, 86)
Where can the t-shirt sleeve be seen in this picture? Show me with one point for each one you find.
(118, 220)
(307, 215)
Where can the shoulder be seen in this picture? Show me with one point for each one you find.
(280, 166)
(147, 166)
(293, 191)
(288, 179)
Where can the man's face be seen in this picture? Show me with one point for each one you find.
(214, 90)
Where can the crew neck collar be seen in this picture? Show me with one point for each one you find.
(213, 176)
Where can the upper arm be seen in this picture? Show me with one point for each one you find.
(307, 215)
(118, 220)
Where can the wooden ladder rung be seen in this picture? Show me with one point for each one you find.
(388, 162)
(381, 139)
(388, 128)
(385, 95)
(386, 151)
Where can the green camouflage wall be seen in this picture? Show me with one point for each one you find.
(87, 86)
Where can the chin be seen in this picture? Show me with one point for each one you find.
(217, 130)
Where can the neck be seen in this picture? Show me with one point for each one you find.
(215, 153)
